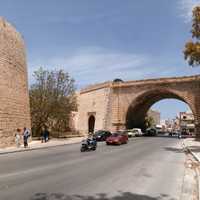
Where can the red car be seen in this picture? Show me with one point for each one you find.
(117, 138)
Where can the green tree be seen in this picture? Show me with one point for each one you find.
(52, 98)
(192, 47)
(149, 121)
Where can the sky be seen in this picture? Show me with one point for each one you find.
(100, 40)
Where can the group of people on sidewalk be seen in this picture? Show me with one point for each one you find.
(26, 134)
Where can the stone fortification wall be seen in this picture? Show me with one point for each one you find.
(14, 99)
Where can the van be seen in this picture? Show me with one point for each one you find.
(134, 132)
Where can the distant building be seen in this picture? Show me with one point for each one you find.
(155, 115)
(175, 125)
(169, 125)
(162, 123)
(186, 122)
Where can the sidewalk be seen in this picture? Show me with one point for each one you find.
(192, 165)
(193, 146)
(36, 144)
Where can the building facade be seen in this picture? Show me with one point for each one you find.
(186, 122)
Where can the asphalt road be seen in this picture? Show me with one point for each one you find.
(147, 168)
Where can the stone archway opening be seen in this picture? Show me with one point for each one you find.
(137, 110)
(91, 124)
(171, 116)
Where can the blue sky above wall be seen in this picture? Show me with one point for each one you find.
(96, 41)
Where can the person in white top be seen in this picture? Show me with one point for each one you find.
(17, 138)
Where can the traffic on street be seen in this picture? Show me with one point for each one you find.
(147, 168)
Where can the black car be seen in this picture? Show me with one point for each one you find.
(151, 132)
(102, 135)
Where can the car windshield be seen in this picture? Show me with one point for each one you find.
(99, 133)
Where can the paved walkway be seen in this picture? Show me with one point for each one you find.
(36, 144)
(193, 146)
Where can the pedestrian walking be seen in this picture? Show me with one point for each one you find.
(17, 138)
(26, 135)
(46, 134)
(42, 135)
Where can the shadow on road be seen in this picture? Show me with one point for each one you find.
(167, 136)
(195, 149)
(174, 149)
(102, 196)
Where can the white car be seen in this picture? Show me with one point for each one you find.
(134, 132)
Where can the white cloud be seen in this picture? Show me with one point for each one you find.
(186, 7)
(93, 64)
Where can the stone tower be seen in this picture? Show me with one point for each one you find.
(14, 98)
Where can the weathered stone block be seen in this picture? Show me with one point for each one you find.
(14, 98)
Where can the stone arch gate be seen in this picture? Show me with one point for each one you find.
(118, 104)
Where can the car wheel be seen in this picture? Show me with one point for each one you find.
(82, 149)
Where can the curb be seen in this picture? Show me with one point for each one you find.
(36, 148)
(196, 170)
(198, 182)
(189, 150)
(193, 154)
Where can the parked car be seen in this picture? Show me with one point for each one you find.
(134, 132)
(117, 138)
(185, 134)
(138, 132)
(130, 133)
(151, 132)
(102, 135)
(159, 129)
